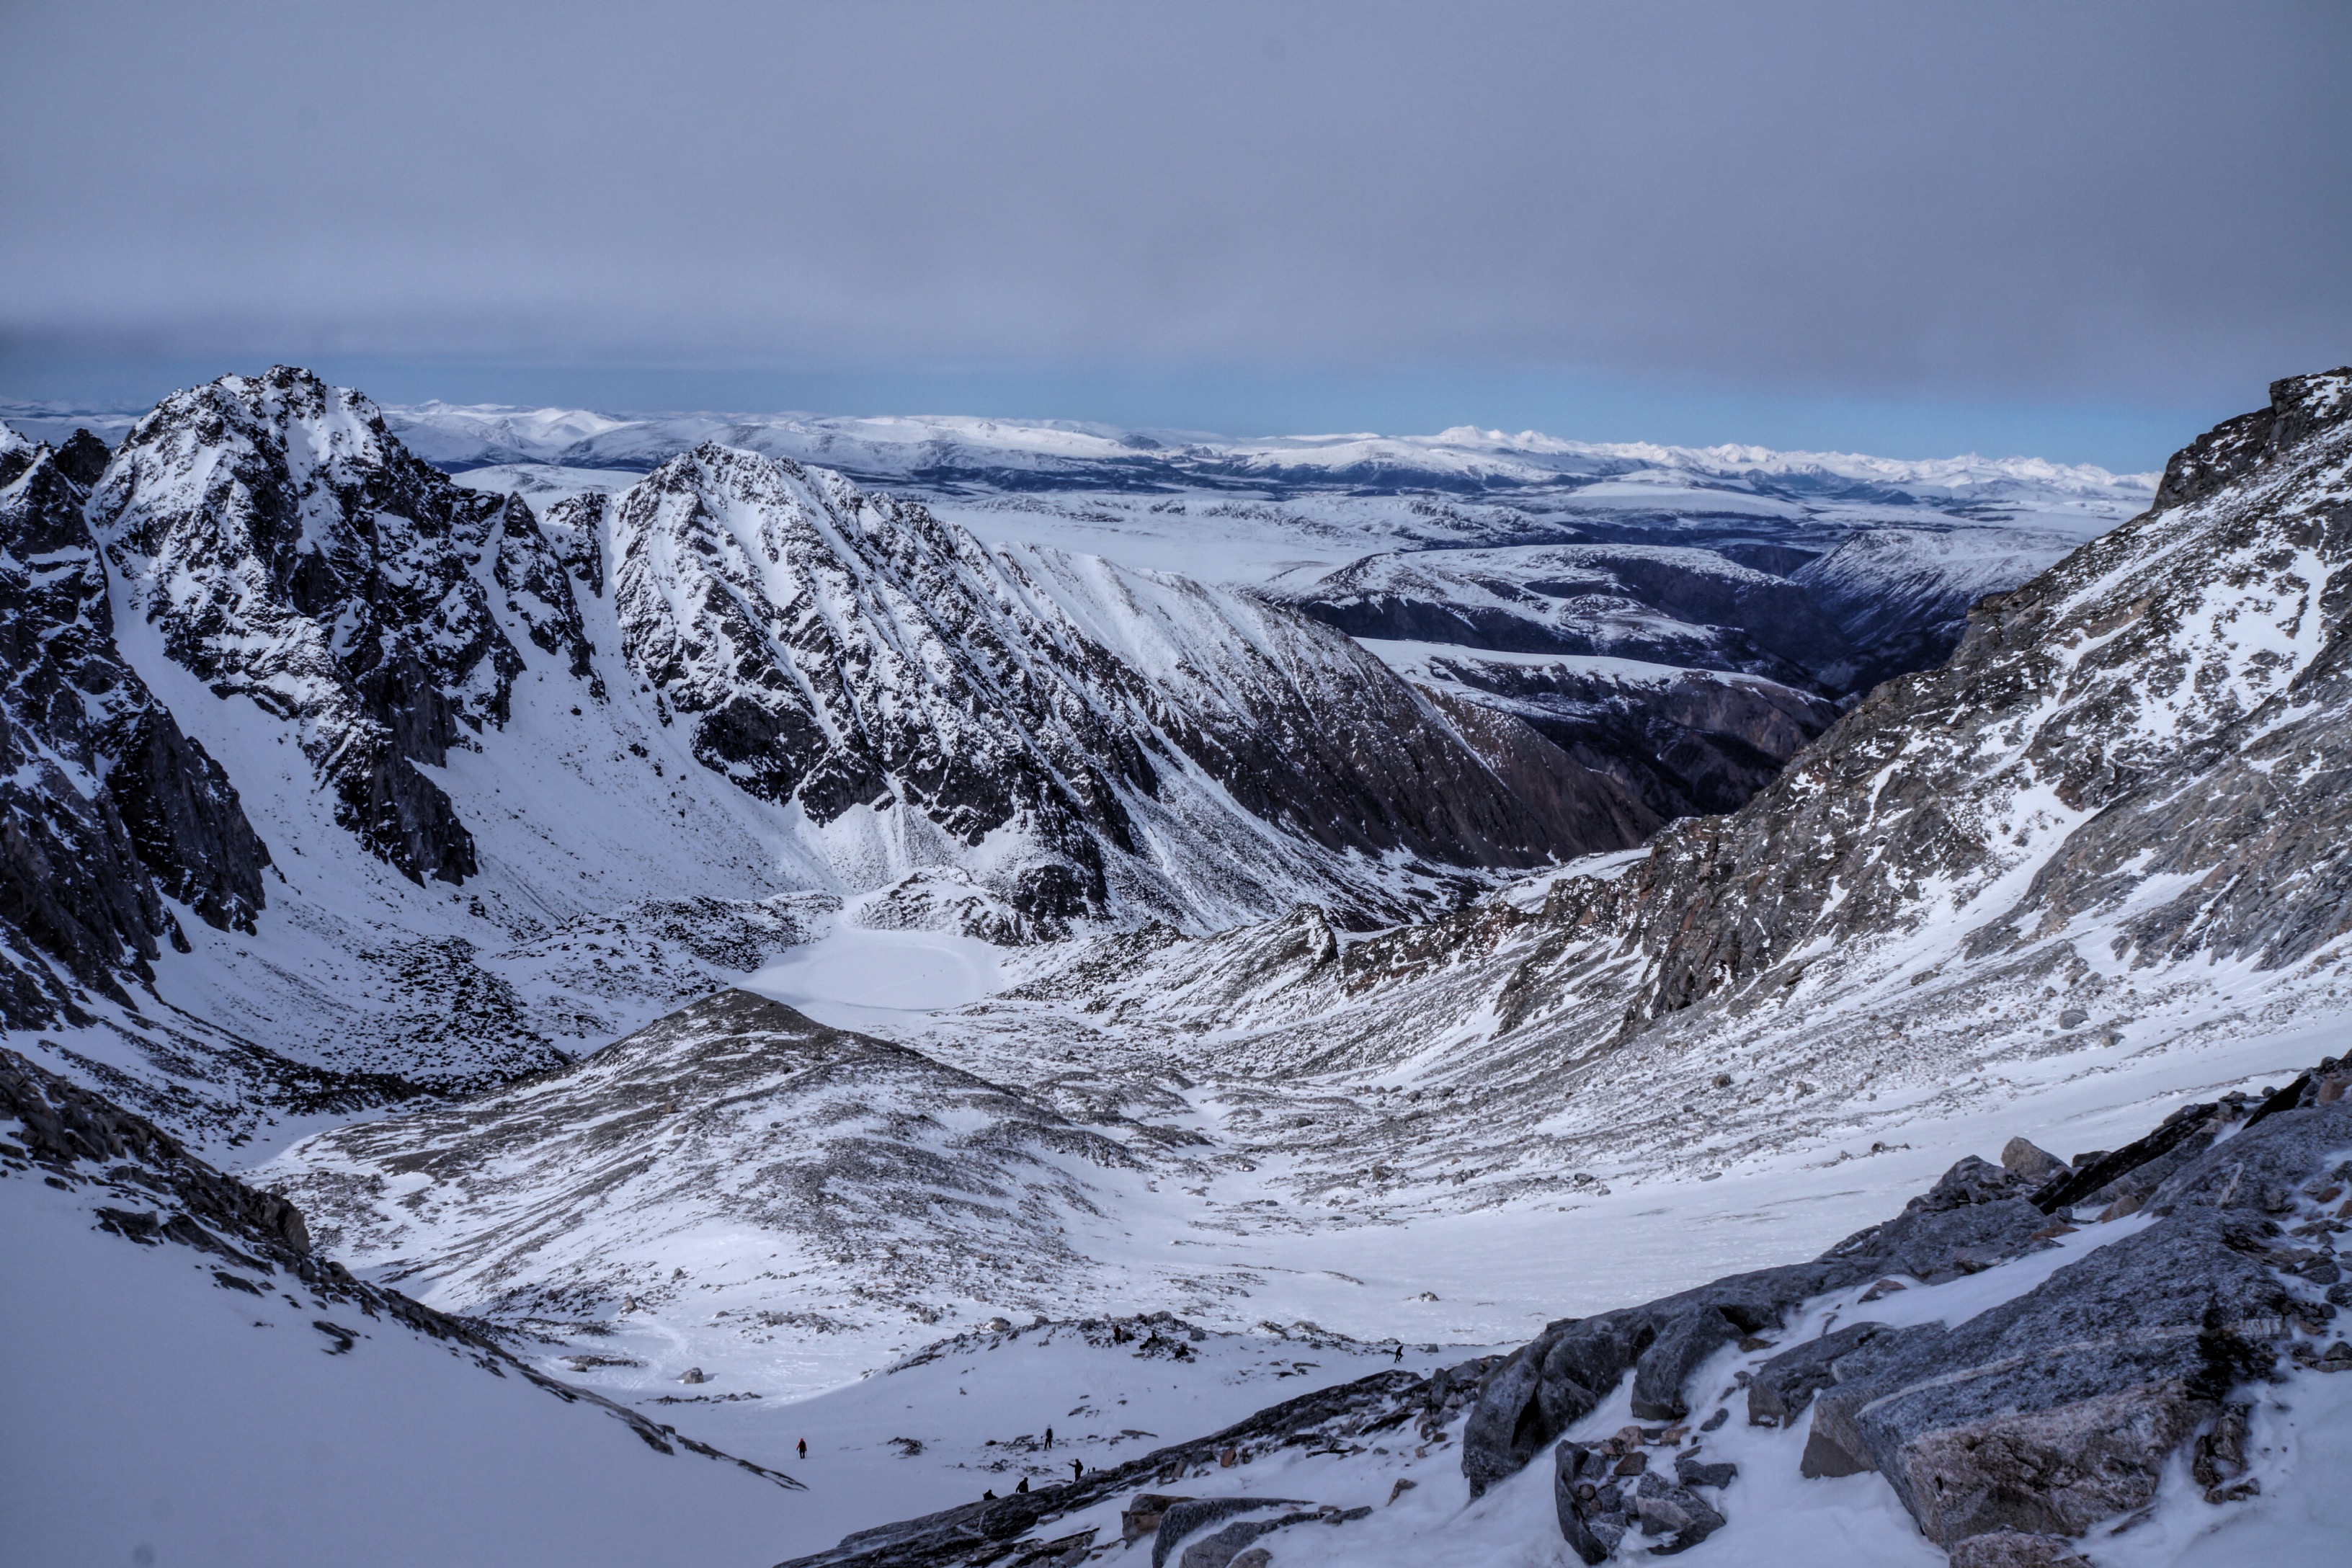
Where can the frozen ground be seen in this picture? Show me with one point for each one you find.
(853, 978)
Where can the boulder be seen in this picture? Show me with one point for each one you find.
(1683, 1342)
(1508, 1425)
(2062, 1407)
(1976, 1216)
(1780, 1390)
(2034, 1165)
(1584, 1362)
(1692, 1471)
(1677, 1512)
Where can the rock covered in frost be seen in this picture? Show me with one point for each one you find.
(289, 551)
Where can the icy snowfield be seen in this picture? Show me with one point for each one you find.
(855, 978)
(156, 1416)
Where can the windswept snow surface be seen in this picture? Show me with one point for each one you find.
(158, 1417)
(852, 978)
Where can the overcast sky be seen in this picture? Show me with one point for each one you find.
(2068, 228)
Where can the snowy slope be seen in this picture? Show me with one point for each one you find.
(187, 1380)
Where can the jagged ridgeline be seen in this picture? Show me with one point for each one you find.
(1081, 742)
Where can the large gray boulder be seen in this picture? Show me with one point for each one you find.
(1685, 1339)
(1780, 1390)
(2062, 1407)
(1508, 1425)
(1975, 1216)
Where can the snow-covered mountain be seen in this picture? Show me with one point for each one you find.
(1873, 562)
(1848, 569)
(731, 763)
(2083, 872)
(2112, 824)
(410, 751)
(1625, 476)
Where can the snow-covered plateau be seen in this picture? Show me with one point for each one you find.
(941, 992)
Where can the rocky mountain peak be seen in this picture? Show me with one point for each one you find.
(2141, 660)
(852, 654)
(106, 808)
(2300, 406)
(288, 549)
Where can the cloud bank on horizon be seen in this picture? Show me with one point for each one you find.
(2007, 203)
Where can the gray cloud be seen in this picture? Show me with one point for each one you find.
(2143, 201)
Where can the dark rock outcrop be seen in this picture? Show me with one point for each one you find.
(291, 551)
(1661, 605)
(2299, 405)
(1968, 1221)
(1693, 743)
(106, 808)
(2062, 1406)
(1783, 1387)
(2024, 1424)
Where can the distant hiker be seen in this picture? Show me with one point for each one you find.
(988, 1496)
(1024, 1486)
(1049, 1439)
(804, 1447)
(1078, 1469)
(1399, 1355)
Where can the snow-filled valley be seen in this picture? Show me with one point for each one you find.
(897, 935)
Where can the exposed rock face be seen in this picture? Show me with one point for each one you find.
(1636, 629)
(841, 650)
(2062, 1407)
(106, 808)
(1901, 596)
(1591, 806)
(2169, 702)
(288, 549)
(2300, 406)
(2035, 1418)
(1674, 742)
(1816, 625)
